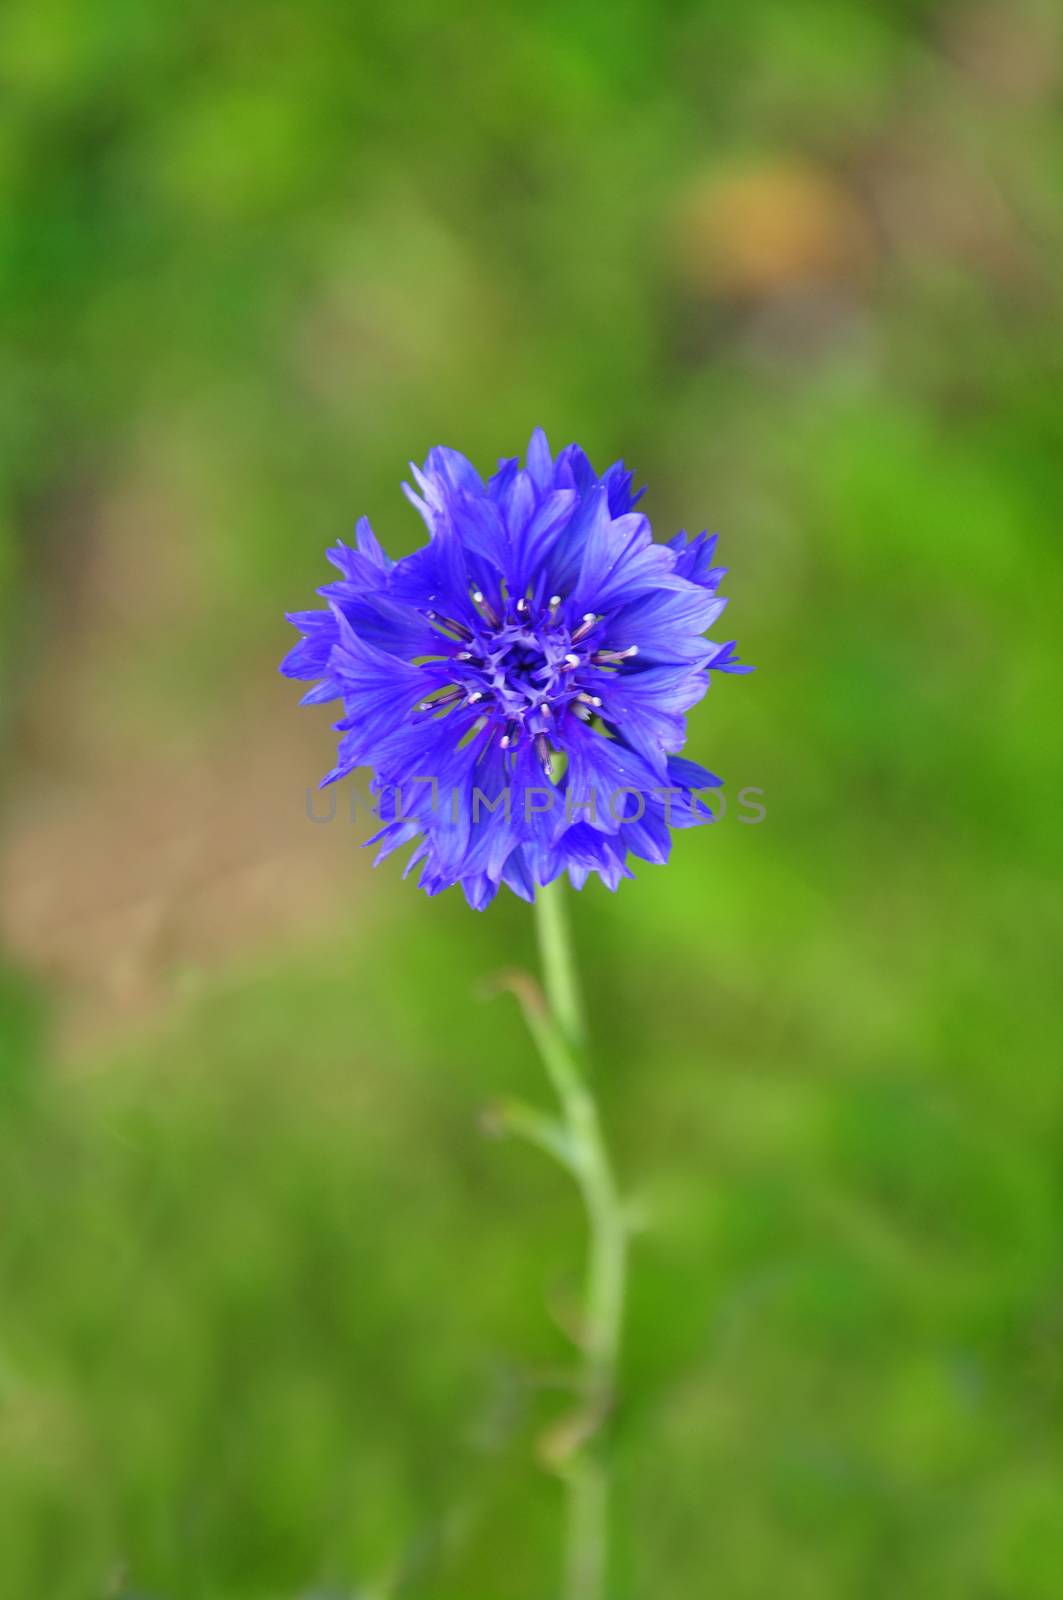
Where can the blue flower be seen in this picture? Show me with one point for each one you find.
(519, 685)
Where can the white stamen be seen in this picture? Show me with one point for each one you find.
(477, 694)
(632, 650)
(590, 616)
(522, 604)
(573, 660)
(504, 741)
(477, 596)
(463, 655)
(555, 600)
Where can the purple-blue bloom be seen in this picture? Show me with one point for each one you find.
(519, 685)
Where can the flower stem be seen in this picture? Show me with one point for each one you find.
(559, 1034)
(560, 980)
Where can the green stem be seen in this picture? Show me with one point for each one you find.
(560, 980)
(559, 1034)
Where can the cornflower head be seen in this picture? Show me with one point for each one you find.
(519, 685)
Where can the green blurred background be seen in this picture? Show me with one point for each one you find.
(276, 1320)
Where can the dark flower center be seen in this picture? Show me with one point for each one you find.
(522, 674)
(523, 671)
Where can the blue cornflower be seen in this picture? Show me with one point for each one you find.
(519, 685)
